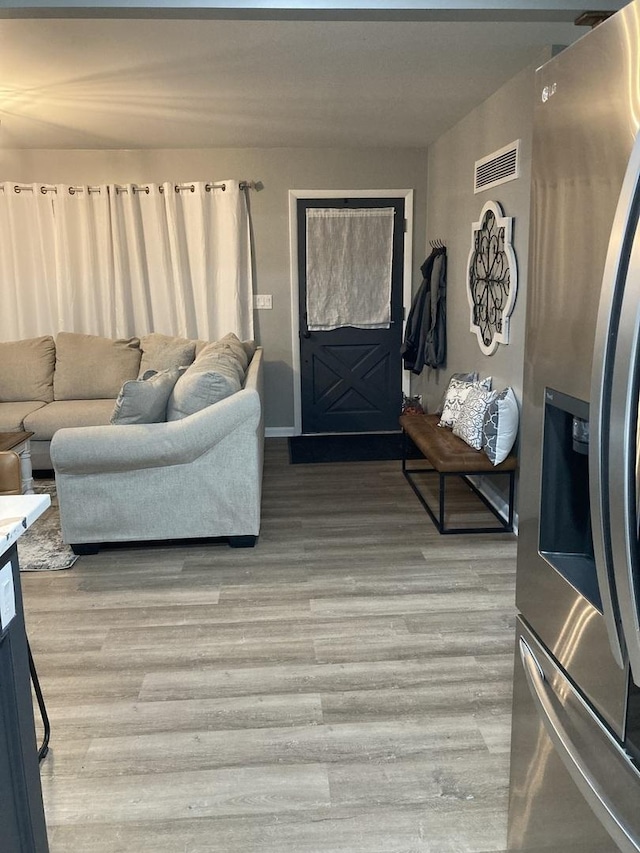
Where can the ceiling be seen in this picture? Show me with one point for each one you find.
(180, 83)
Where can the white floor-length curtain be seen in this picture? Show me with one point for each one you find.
(29, 304)
(124, 260)
(137, 250)
(84, 261)
(228, 239)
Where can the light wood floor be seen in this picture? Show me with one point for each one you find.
(344, 686)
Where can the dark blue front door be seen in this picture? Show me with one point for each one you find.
(351, 377)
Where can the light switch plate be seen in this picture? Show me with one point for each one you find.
(7, 596)
(262, 300)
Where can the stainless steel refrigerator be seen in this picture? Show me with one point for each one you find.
(575, 782)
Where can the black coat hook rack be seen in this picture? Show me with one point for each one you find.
(437, 244)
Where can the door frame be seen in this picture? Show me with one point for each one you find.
(407, 271)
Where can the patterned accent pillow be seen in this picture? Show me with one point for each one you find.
(500, 426)
(456, 395)
(470, 421)
(465, 377)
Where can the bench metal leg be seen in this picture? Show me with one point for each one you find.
(405, 446)
(505, 526)
(441, 501)
(512, 488)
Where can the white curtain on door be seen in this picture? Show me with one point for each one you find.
(123, 260)
(349, 262)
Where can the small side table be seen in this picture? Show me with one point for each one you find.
(20, 443)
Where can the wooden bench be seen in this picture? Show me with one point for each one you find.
(450, 456)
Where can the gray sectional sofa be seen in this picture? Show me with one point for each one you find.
(151, 439)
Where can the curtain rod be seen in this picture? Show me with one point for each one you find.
(142, 188)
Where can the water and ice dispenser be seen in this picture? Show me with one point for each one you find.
(565, 517)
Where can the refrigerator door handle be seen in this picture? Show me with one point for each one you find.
(622, 440)
(599, 767)
(603, 522)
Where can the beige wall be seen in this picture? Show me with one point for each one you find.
(452, 207)
(279, 170)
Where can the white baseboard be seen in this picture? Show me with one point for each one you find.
(279, 432)
(495, 498)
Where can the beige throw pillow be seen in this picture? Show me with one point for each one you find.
(144, 401)
(200, 345)
(229, 345)
(26, 372)
(249, 346)
(164, 352)
(89, 367)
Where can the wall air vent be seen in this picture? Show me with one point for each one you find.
(497, 168)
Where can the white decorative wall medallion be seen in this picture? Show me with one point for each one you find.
(492, 277)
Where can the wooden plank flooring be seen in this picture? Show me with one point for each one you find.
(344, 686)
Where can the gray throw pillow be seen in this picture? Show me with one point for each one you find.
(213, 376)
(500, 426)
(144, 401)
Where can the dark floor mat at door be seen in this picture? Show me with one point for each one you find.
(357, 447)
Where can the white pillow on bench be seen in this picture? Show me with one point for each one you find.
(455, 397)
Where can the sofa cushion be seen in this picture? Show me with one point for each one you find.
(12, 415)
(163, 352)
(144, 401)
(68, 413)
(27, 370)
(89, 367)
(213, 376)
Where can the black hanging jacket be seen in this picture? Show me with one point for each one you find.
(425, 337)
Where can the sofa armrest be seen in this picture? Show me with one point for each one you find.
(96, 449)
